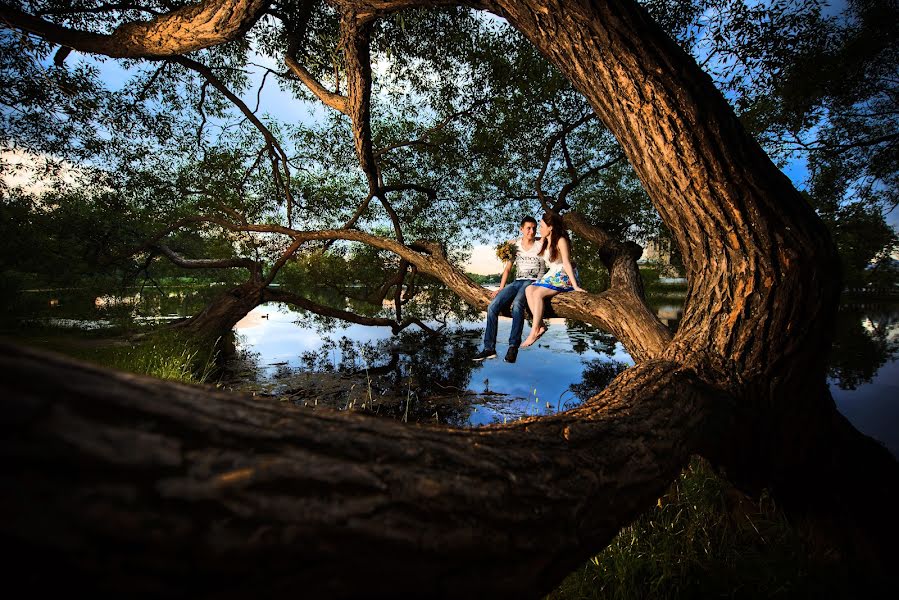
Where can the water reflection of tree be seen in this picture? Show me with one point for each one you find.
(598, 373)
(431, 372)
(864, 340)
(120, 305)
(436, 306)
(585, 337)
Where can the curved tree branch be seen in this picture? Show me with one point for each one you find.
(190, 28)
(243, 488)
(207, 263)
(335, 101)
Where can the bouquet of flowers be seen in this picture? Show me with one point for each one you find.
(506, 251)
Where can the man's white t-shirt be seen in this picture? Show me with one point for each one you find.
(528, 263)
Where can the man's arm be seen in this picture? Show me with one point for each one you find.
(507, 269)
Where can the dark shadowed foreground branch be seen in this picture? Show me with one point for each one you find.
(125, 482)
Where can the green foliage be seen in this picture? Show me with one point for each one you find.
(163, 354)
(862, 236)
(705, 539)
(492, 279)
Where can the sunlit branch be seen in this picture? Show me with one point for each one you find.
(186, 29)
(335, 101)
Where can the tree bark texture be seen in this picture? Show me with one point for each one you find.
(192, 27)
(222, 313)
(128, 483)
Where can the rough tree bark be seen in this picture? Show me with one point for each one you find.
(174, 490)
(222, 313)
(131, 481)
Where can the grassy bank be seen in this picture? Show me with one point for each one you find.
(163, 354)
(705, 539)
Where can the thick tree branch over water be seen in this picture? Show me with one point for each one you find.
(621, 309)
(253, 499)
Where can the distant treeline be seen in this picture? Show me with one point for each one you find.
(492, 279)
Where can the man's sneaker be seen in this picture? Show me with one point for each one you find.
(484, 355)
(511, 354)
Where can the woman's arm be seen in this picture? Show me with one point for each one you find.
(565, 253)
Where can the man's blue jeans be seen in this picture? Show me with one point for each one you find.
(512, 294)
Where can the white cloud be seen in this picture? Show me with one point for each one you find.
(35, 173)
(483, 260)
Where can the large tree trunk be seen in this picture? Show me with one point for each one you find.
(132, 482)
(220, 316)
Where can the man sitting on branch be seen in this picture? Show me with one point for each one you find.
(529, 267)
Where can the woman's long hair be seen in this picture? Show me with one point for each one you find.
(557, 232)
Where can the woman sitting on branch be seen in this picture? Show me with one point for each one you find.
(560, 275)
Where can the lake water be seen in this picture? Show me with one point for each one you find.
(571, 362)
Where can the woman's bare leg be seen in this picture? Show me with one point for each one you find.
(536, 296)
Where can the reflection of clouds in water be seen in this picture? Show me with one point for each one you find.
(874, 408)
(567, 356)
(863, 373)
(543, 374)
(271, 330)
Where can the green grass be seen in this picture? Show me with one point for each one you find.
(166, 356)
(705, 539)
(163, 354)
